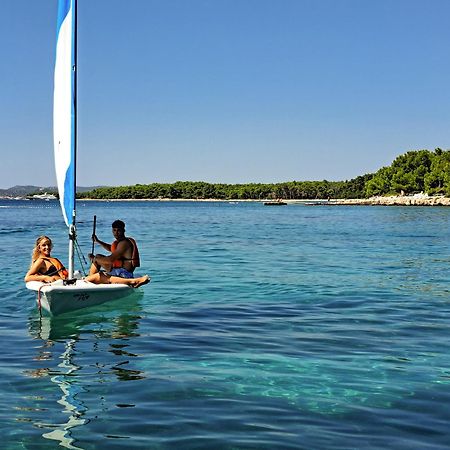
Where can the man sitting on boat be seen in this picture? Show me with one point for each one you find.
(122, 261)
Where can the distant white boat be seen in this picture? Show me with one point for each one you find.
(44, 196)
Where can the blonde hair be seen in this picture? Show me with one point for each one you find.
(36, 252)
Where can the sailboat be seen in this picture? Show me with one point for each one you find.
(62, 296)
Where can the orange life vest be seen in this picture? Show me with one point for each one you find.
(135, 259)
(60, 269)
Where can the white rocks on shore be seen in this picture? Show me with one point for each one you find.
(397, 200)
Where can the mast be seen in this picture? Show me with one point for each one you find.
(65, 116)
(72, 227)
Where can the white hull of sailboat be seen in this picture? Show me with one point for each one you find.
(57, 298)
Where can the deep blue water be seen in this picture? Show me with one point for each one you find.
(303, 327)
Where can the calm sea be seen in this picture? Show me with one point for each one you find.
(303, 327)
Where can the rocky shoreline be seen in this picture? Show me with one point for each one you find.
(398, 200)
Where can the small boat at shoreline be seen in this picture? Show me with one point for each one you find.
(278, 202)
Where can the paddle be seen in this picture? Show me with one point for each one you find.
(93, 233)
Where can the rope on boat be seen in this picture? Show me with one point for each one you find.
(81, 257)
(39, 297)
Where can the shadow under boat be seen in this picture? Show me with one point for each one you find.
(72, 324)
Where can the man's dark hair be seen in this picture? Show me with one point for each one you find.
(118, 224)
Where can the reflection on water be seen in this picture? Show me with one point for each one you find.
(72, 407)
(81, 334)
(113, 319)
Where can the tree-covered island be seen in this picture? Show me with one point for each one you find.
(413, 172)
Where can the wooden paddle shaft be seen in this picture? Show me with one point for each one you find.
(93, 232)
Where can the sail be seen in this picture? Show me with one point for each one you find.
(64, 108)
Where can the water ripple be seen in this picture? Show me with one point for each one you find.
(261, 329)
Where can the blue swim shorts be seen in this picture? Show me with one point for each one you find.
(120, 272)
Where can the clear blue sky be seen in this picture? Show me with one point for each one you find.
(228, 90)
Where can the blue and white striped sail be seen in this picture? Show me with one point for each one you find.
(64, 115)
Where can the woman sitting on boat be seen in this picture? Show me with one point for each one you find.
(47, 269)
(44, 267)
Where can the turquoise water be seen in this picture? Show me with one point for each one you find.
(306, 327)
